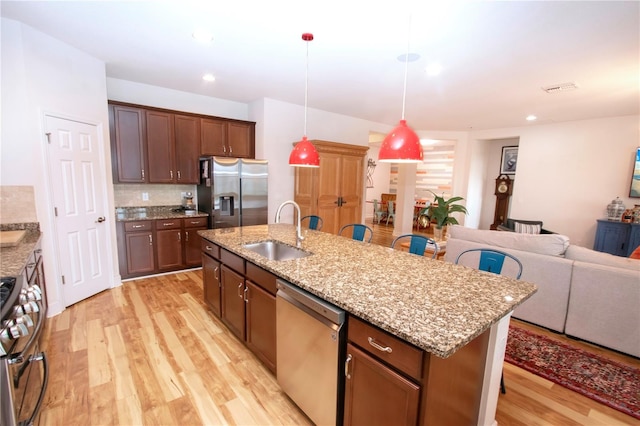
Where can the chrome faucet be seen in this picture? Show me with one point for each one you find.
(299, 236)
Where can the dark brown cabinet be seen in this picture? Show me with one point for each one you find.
(192, 241)
(375, 391)
(243, 296)
(139, 250)
(187, 146)
(227, 138)
(375, 394)
(211, 276)
(169, 244)
(160, 147)
(232, 297)
(128, 144)
(150, 246)
(154, 145)
(261, 314)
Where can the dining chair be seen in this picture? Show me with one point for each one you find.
(315, 222)
(391, 214)
(493, 261)
(358, 232)
(378, 213)
(417, 244)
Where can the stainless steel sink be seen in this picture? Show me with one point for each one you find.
(275, 250)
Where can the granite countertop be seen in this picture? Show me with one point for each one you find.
(435, 305)
(124, 214)
(14, 259)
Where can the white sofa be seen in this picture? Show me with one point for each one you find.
(586, 294)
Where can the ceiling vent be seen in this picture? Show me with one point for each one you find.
(557, 88)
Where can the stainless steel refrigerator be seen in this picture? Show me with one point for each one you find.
(233, 191)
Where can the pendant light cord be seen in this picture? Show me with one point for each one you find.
(406, 67)
(306, 89)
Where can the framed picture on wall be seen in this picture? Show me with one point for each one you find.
(634, 192)
(509, 160)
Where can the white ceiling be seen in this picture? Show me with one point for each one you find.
(496, 55)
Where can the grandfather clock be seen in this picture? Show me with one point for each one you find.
(504, 188)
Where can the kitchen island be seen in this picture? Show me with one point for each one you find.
(448, 311)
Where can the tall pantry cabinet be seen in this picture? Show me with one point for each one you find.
(335, 190)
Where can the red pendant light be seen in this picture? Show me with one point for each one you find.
(402, 144)
(304, 154)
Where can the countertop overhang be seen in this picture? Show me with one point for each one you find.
(435, 305)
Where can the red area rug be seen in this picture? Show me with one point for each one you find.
(608, 382)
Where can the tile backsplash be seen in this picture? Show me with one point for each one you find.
(17, 204)
(131, 195)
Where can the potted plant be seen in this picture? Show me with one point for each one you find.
(441, 211)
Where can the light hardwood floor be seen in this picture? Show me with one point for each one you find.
(150, 352)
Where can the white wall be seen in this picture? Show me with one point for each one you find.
(41, 74)
(568, 172)
(281, 124)
(160, 97)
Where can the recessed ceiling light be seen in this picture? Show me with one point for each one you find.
(203, 36)
(433, 69)
(409, 57)
(531, 118)
(208, 77)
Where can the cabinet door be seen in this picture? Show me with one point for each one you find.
(211, 283)
(139, 248)
(351, 189)
(261, 324)
(240, 140)
(329, 184)
(169, 248)
(128, 145)
(306, 187)
(233, 306)
(612, 238)
(160, 147)
(375, 394)
(634, 239)
(213, 136)
(192, 246)
(187, 148)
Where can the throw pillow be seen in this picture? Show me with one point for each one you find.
(525, 228)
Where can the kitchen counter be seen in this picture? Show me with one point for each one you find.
(435, 305)
(124, 214)
(13, 259)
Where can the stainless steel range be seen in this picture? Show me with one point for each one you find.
(23, 367)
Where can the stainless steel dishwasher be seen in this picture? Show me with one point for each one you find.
(309, 341)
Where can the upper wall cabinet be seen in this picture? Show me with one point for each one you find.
(128, 144)
(152, 145)
(227, 138)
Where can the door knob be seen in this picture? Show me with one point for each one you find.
(100, 219)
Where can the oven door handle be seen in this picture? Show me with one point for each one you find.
(42, 313)
(45, 381)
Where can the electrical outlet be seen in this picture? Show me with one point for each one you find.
(145, 196)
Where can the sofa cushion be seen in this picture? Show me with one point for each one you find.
(527, 228)
(549, 244)
(583, 254)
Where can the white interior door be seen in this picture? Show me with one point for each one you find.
(78, 185)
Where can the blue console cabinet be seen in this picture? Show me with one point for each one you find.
(617, 238)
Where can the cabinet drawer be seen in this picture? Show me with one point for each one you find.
(210, 249)
(396, 352)
(195, 222)
(139, 225)
(262, 277)
(233, 261)
(168, 224)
